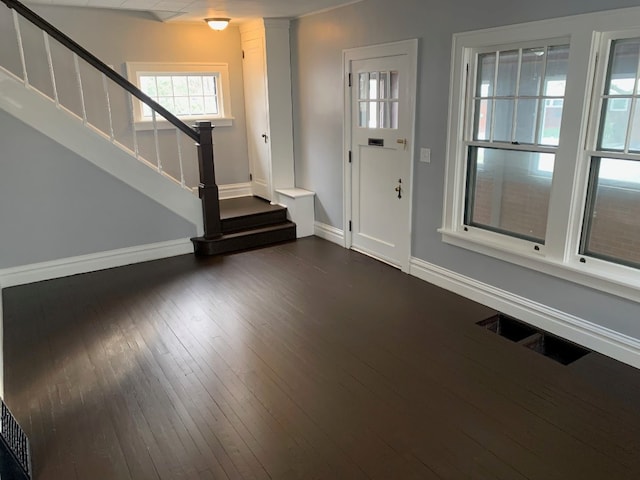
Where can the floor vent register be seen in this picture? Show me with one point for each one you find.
(556, 348)
(15, 454)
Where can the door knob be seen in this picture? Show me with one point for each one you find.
(399, 188)
(403, 142)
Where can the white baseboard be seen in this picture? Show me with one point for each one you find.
(328, 232)
(64, 267)
(233, 190)
(608, 342)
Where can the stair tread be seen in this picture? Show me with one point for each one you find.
(231, 208)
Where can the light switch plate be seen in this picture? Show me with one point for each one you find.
(425, 155)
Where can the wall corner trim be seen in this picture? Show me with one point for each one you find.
(329, 233)
(603, 340)
(64, 267)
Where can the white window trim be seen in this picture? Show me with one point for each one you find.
(558, 257)
(223, 119)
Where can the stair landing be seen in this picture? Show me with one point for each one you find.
(242, 206)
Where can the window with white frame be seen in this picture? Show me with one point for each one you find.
(514, 130)
(189, 91)
(543, 166)
(611, 229)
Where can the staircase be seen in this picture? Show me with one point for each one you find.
(249, 222)
(163, 167)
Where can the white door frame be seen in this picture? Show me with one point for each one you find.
(406, 47)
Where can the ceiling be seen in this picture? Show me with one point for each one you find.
(197, 10)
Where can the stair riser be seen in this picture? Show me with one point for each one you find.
(244, 242)
(238, 224)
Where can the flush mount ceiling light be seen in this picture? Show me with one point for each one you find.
(217, 23)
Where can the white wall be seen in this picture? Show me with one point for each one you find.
(117, 37)
(317, 43)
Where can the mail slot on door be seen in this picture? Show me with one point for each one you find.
(376, 142)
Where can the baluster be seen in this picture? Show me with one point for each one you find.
(180, 157)
(106, 96)
(155, 139)
(16, 24)
(79, 79)
(47, 48)
(133, 127)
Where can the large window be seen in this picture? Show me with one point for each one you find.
(515, 128)
(189, 91)
(543, 166)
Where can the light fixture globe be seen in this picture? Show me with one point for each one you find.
(217, 23)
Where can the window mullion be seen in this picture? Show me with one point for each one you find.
(514, 119)
(541, 102)
(493, 97)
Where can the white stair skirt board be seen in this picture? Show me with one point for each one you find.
(64, 267)
(300, 209)
(35, 109)
(600, 339)
(329, 233)
(234, 190)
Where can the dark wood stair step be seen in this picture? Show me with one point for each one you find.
(245, 213)
(246, 239)
(255, 220)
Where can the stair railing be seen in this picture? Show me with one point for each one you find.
(105, 102)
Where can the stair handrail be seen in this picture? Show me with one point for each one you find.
(95, 62)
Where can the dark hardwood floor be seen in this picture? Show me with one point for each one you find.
(300, 361)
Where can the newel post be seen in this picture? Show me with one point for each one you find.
(207, 190)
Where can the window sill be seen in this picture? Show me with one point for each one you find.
(597, 274)
(145, 125)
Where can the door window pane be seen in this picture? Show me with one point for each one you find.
(377, 99)
(508, 193)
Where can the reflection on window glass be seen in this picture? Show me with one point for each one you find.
(623, 67)
(507, 194)
(523, 106)
(531, 71)
(615, 121)
(612, 219)
(507, 81)
(182, 95)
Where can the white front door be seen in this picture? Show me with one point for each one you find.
(382, 104)
(255, 97)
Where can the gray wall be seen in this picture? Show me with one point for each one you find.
(55, 204)
(117, 37)
(317, 42)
